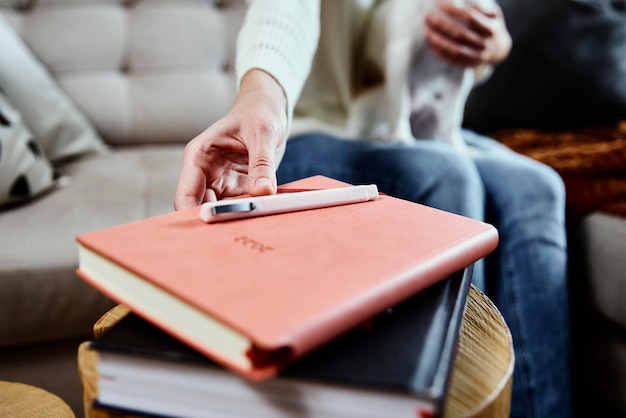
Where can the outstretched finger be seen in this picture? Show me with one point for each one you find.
(454, 30)
(453, 52)
(191, 187)
(471, 17)
(262, 172)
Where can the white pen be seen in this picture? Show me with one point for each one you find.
(250, 207)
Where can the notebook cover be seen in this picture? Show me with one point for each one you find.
(291, 281)
(408, 349)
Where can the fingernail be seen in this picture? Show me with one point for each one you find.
(263, 182)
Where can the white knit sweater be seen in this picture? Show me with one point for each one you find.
(318, 51)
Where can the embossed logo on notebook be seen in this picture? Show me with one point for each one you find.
(253, 244)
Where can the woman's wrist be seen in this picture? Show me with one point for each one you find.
(258, 81)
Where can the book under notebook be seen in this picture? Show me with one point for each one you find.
(400, 361)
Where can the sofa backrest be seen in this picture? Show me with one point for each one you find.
(143, 71)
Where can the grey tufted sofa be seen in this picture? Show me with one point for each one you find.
(149, 75)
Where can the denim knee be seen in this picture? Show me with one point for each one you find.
(542, 191)
(527, 198)
(435, 176)
(551, 188)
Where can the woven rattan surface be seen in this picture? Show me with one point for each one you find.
(18, 400)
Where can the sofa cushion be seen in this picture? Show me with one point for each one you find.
(58, 126)
(41, 292)
(24, 170)
(566, 69)
(598, 264)
(142, 71)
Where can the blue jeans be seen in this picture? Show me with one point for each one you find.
(526, 276)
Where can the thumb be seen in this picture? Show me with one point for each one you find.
(262, 172)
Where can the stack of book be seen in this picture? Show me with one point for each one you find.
(344, 311)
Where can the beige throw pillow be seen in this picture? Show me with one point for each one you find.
(57, 124)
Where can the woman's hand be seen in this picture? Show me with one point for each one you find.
(239, 153)
(470, 35)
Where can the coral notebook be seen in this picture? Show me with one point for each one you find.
(258, 293)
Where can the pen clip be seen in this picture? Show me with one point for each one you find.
(233, 208)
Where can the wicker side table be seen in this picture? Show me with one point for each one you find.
(25, 401)
(480, 384)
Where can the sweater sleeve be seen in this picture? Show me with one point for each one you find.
(280, 37)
